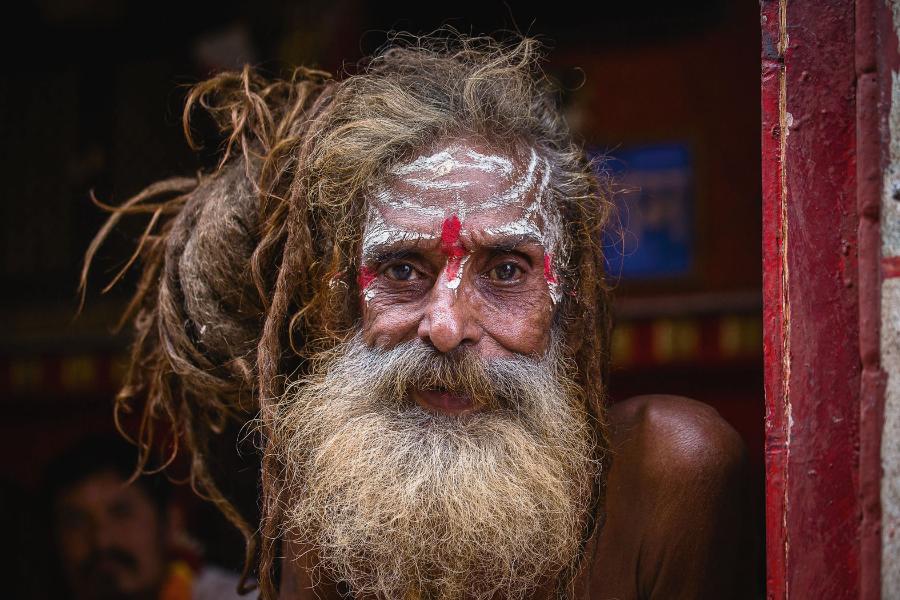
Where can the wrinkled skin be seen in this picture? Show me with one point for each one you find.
(484, 286)
(673, 493)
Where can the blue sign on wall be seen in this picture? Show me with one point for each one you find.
(651, 236)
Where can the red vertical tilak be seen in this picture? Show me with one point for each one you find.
(451, 245)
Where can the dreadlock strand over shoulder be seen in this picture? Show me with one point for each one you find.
(249, 270)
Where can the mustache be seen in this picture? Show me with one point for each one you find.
(91, 564)
(497, 382)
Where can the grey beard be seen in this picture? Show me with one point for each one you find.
(403, 503)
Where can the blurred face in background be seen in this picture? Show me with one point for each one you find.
(111, 539)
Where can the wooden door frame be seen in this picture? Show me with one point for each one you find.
(825, 96)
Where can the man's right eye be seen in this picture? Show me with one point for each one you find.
(401, 272)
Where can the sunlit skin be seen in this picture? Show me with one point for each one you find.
(674, 497)
(111, 539)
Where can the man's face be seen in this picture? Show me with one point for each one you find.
(444, 452)
(110, 538)
(459, 251)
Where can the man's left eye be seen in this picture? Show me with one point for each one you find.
(505, 272)
(401, 272)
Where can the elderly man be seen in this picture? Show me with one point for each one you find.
(398, 279)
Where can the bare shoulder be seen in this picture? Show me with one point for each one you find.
(674, 503)
(672, 436)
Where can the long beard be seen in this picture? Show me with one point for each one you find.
(403, 503)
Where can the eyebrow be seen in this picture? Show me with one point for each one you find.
(387, 255)
(397, 248)
(405, 246)
(509, 242)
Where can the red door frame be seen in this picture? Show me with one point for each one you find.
(823, 108)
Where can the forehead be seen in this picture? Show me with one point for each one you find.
(99, 490)
(464, 178)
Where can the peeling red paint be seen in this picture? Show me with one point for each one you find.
(811, 291)
(890, 267)
(773, 310)
(877, 35)
(870, 47)
(871, 423)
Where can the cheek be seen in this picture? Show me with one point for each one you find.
(73, 546)
(137, 538)
(386, 323)
(519, 324)
(144, 537)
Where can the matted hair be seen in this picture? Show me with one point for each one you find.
(249, 270)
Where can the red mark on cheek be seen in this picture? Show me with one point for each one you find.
(451, 246)
(549, 272)
(366, 277)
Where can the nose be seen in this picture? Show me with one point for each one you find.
(448, 321)
(103, 537)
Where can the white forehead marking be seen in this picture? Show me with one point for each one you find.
(539, 220)
(423, 172)
(425, 184)
(457, 279)
(517, 191)
(379, 233)
(528, 224)
(423, 163)
(550, 219)
(490, 162)
(402, 202)
(523, 226)
(429, 167)
(444, 162)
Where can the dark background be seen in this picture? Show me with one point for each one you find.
(91, 97)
